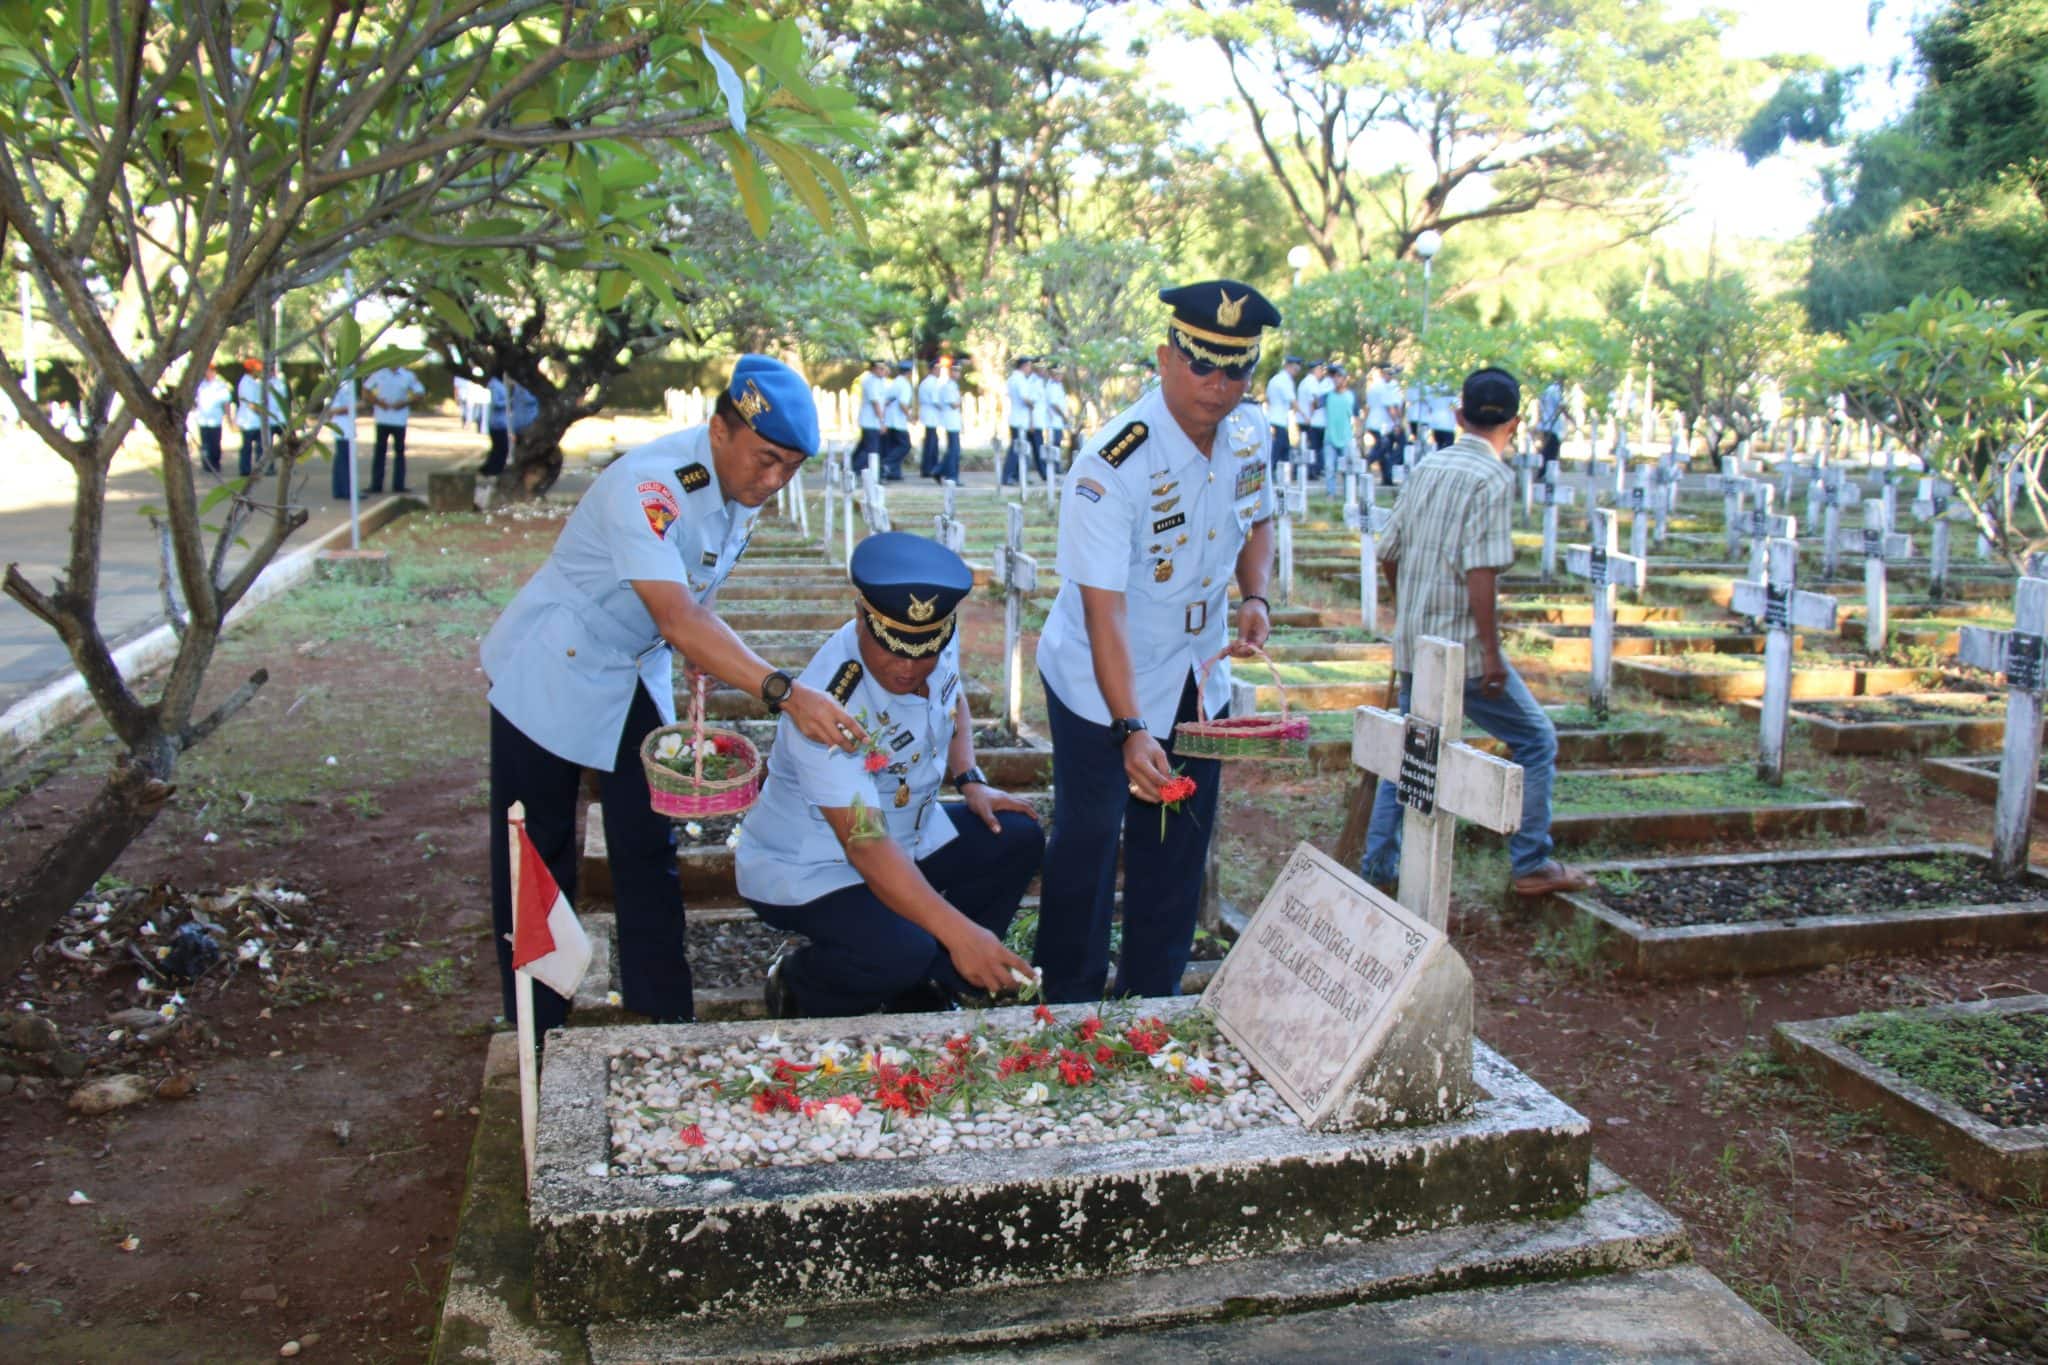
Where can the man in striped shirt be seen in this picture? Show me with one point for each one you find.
(1444, 552)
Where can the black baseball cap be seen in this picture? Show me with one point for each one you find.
(1491, 397)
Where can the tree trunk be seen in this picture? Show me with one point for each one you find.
(537, 459)
(120, 811)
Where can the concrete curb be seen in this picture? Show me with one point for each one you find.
(59, 703)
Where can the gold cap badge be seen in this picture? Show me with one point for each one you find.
(752, 402)
(921, 610)
(1229, 310)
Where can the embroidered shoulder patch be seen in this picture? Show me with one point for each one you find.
(1119, 447)
(693, 477)
(660, 505)
(1088, 489)
(845, 680)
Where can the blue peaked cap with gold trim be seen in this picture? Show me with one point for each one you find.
(909, 589)
(1220, 321)
(775, 401)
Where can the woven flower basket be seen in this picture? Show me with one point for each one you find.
(1271, 739)
(688, 796)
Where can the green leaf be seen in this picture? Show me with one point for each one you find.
(800, 179)
(348, 342)
(755, 197)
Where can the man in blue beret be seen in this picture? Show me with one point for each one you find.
(897, 893)
(581, 669)
(1166, 506)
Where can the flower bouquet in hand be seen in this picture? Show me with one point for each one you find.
(694, 771)
(1172, 793)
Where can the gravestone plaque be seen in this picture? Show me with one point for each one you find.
(1357, 1011)
(1597, 560)
(1416, 784)
(2023, 661)
(1777, 607)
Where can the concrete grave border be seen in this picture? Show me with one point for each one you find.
(1703, 950)
(1977, 778)
(1833, 736)
(611, 1246)
(1812, 683)
(1703, 824)
(1997, 1161)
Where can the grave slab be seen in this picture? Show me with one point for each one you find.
(2000, 1162)
(1669, 678)
(629, 1245)
(1761, 947)
(1634, 820)
(1901, 722)
(1604, 1281)
(1977, 778)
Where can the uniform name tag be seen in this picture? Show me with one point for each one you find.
(902, 741)
(710, 558)
(1168, 523)
(693, 477)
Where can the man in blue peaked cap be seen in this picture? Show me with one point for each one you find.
(904, 900)
(581, 665)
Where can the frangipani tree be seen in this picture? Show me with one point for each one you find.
(171, 168)
(1964, 383)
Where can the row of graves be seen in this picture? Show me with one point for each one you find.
(1308, 1150)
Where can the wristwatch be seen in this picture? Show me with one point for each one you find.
(1125, 728)
(775, 690)
(958, 781)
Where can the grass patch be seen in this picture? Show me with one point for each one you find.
(1717, 787)
(1990, 1064)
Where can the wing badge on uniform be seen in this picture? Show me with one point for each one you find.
(1119, 447)
(660, 505)
(1167, 505)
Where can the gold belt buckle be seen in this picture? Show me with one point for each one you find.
(1196, 616)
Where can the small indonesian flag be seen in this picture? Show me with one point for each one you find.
(548, 942)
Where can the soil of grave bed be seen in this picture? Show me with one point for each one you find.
(1993, 1065)
(1763, 892)
(1896, 707)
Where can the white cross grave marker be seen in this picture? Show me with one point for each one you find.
(1603, 568)
(1879, 546)
(1733, 488)
(1528, 464)
(1826, 496)
(1760, 525)
(1552, 495)
(874, 506)
(835, 484)
(1293, 507)
(1017, 574)
(1643, 496)
(1368, 519)
(1932, 507)
(2017, 653)
(1438, 775)
(1783, 608)
(947, 527)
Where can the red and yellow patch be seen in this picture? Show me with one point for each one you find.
(660, 505)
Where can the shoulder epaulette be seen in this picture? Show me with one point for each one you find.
(845, 680)
(693, 477)
(1119, 447)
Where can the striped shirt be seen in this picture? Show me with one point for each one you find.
(1452, 518)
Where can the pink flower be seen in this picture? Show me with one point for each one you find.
(875, 762)
(692, 1136)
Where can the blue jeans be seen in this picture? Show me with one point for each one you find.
(1515, 720)
(1333, 470)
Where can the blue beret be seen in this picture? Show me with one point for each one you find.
(775, 401)
(909, 588)
(1219, 320)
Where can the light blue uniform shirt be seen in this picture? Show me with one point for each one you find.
(1163, 526)
(788, 855)
(567, 654)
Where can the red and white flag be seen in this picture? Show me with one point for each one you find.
(548, 942)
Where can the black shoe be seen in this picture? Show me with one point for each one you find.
(924, 998)
(777, 996)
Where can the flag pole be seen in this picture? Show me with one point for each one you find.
(529, 1061)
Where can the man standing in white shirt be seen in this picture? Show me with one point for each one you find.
(1308, 412)
(1382, 404)
(210, 408)
(259, 412)
(874, 398)
(391, 391)
(1056, 424)
(896, 422)
(341, 425)
(1280, 396)
(1020, 396)
(931, 408)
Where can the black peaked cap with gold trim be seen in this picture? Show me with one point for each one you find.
(1220, 321)
(909, 589)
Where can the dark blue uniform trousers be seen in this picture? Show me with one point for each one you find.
(1092, 808)
(862, 954)
(654, 968)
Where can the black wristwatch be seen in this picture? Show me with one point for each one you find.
(959, 780)
(1124, 729)
(775, 690)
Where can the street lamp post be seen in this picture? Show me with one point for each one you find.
(1427, 243)
(1299, 258)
